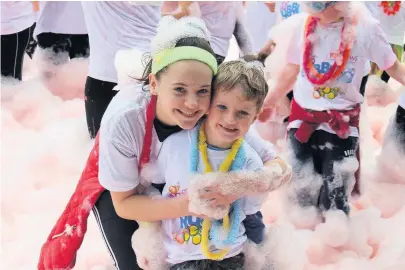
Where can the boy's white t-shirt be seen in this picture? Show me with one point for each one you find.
(60, 17)
(220, 19)
(393, 25)
(114, 26)
(182, 236)
(122, 132)
(342, 94)
(16, 16)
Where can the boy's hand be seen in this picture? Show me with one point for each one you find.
(265, 114)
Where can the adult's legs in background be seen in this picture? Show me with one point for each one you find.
(98, 95)
(12, 53)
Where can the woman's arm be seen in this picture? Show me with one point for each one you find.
(129, 205)
(240, 32)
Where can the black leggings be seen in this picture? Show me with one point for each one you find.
(98, 95)
(12, 52)
(116, 232)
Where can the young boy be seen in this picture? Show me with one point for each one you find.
(238, 98)
(326, 60)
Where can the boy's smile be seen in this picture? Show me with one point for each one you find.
(229, 117)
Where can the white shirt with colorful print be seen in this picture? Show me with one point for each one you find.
(286, 9)
(342, 94)
(183, 235)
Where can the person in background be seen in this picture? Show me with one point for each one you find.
(17, 25)
(223, 19)
(260, 18)
(113, 26)
(61, 30)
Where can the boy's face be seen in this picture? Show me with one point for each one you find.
(230, 115)
(329, 15)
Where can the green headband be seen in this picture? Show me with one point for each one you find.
(169, 56)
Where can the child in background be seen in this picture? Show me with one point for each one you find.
(323, 126)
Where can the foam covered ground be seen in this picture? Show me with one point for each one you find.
(44, 145)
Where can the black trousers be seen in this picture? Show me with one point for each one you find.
(234, 263)
(98, 95)
(399, 125)
(12, 52)
(219, 58)
(322, 153)
(75, 45)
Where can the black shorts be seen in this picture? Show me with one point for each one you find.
(75, 45)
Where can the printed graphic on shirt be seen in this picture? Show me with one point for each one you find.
(322, 68)
(289, 8)
(175, 191)
(326, 92)
(190, 231)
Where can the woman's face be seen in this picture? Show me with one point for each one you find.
(184, 93)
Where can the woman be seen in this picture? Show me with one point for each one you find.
(133, 129)
(113, 26)
(223, 19)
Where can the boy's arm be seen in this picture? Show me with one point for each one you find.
(283, 86)
(397, 71)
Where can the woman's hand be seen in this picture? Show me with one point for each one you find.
(217, 199)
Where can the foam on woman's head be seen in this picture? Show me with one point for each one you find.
(170, 32)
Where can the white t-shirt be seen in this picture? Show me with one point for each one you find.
(114, 26)
(393, 25)
(220, 19)
(342, 94)
(286, 9)
(122, 131)
(183, 235)
(259, 20)
(16, 16)
(60, 17)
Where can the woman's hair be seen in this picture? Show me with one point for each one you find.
(246, 75)
(188, 41)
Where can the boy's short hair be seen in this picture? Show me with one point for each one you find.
(246, 75)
